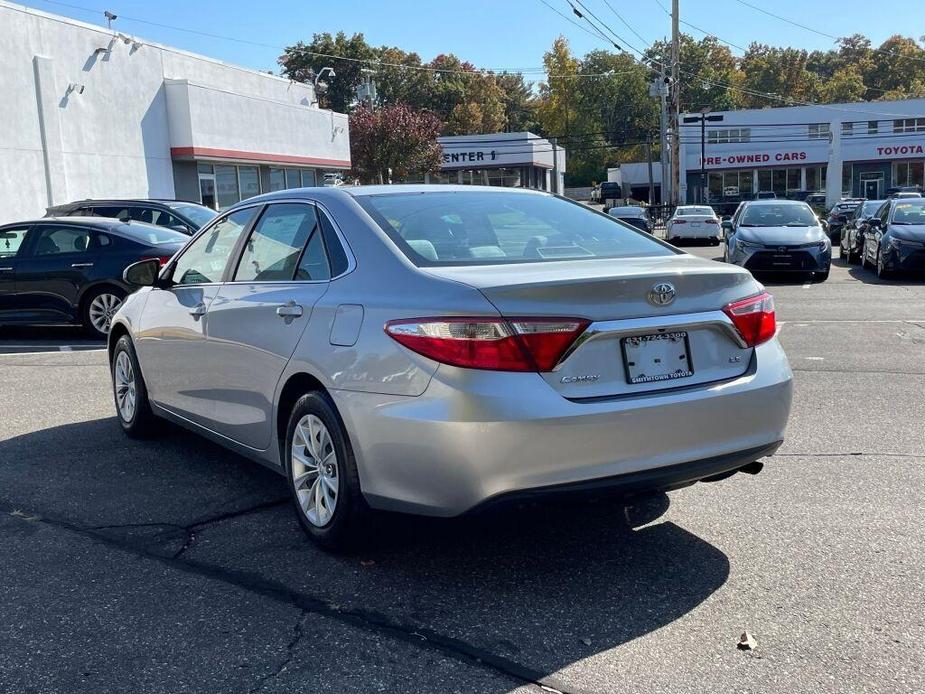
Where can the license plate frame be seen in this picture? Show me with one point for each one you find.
(631, 348)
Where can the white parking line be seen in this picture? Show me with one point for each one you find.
(807, 285)
(65, 348)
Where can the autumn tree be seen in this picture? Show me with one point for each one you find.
(302, 62)
(394, 141)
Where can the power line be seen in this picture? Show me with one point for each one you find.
(822, 33)
(627, 24)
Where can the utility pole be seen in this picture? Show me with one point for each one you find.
(649, 162)
(554, 183)
(659, 90)
(675, 103)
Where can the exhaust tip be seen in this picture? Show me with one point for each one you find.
(752, 468)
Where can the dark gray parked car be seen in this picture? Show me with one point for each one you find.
(777, 236)
(185, 217)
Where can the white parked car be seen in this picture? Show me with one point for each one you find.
(694, 222)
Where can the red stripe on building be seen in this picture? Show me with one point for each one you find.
(239, 155)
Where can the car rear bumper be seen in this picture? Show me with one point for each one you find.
(476, 436)
(685, 232)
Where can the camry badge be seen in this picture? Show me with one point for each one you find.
(661, 294)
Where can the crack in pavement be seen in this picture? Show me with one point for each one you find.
(297, 633)
(359, 618)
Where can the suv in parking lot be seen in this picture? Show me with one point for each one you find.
(185, 217)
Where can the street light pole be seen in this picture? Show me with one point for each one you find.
(703, 118)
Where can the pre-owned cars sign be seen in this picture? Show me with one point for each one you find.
(757, 158)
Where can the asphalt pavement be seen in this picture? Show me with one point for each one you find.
(172, 565)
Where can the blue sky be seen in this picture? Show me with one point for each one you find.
(489, 33)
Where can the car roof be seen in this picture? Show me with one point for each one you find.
(341, 192)
(109, 223)
(772, 201)
(109, 201)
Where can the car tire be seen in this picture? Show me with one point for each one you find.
(882, 271)
(321, 470)
(129, 392)
(98, 308)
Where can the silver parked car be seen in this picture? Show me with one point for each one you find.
(436, 348)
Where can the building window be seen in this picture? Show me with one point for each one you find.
(815, 178)
(871, 127)
(819, 131)
(764, 181)
(793, 179)
(248, 181)
(277, 180)
(204, 168)
(847, 129)
(909, 125)
(908, 173)
(226, 186)
(308, 178)
(732, 135)
(293, 179)
(847, 180)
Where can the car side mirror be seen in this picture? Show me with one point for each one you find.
(727, 224)
(143, 273)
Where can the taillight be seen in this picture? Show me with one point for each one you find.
(678, 221)
(753, 318)
(520, 344)
(162, 259)
(712, 221)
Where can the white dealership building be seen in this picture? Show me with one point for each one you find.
(91, 112)
(517, 160)
(861, 149)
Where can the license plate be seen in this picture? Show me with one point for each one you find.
(657, 357)
(696, 225)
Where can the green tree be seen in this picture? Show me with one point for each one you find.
(302, 62)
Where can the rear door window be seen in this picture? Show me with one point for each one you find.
(273, 251)
(51, 240)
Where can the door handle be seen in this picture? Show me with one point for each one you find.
(6, 269)
(81, 264)
(289, 310)
(198, 310)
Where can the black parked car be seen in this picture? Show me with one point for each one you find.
(632, 214)
(69, 269)
(185, 217)
(852, 233)
(838, 216)
(895, 238)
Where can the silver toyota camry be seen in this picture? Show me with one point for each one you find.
(435, 349)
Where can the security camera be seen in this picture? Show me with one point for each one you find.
(110, 16)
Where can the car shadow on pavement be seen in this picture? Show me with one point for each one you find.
(525, 591)
(869, 276)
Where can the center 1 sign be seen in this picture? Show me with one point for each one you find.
(462, 157)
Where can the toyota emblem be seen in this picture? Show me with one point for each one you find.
(662, 294)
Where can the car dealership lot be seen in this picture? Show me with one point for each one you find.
(173, 565)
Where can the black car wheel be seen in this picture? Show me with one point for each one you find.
(882, 271)
(322, 474)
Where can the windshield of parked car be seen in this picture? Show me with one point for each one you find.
(793, 215)
(199, 215)
(867, 209)
(695, 211)
(911, 212)
(151, 235)
(490, 228)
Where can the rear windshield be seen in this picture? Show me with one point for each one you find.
(482, 228)
(197, 214)
(698, 211)
(794, 215)
(151, 235)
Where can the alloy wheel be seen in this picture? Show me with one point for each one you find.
(124, 383)
(102, 309)
(314, 470)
